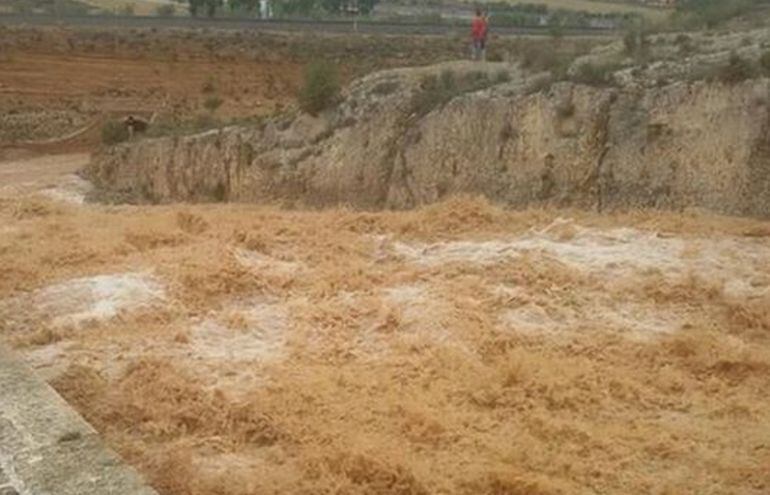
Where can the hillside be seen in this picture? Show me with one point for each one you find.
(687, 128)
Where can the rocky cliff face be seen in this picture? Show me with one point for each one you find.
(392, 143)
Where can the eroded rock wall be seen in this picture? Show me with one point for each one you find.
(685, 144)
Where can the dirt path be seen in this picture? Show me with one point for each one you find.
(30, 174)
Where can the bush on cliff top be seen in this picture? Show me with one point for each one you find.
(736, 70)
(114, 132)
(595, 74)
(320, 89)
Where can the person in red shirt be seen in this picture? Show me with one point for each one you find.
(479, 27)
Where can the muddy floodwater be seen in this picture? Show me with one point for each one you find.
(457, 349)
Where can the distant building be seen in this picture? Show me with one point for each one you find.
(658, 3)
(265, 9)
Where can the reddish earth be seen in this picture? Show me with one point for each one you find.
(118, 84)
(50, 95)
(55, 81)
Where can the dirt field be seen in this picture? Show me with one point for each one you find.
(117, 85)
(459, 349)
(55, 81)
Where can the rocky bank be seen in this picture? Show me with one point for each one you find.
(661, 135)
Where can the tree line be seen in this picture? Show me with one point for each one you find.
(282, 7)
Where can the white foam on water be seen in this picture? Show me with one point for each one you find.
(633, 320)
(48, 361)
(260, 336)
(531, 319)
(91, 298)
(484, 253)
(261, 262)
(424, 316)
(72, 190)
(587, 248)
(613, 252)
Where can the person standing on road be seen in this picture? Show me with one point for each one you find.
(479, 28)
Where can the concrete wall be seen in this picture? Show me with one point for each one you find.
(48, 449)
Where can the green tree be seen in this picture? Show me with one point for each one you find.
(711, 13)
(365, 7)
(210, 6)
(320, 88)
(165, 10)
(297, 7)
(194, 6)
(245, 5)
(331, 6)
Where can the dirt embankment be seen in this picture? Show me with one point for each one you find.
(398, 141)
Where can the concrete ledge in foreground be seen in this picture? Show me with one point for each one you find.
(46, 448)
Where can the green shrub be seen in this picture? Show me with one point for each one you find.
(448, 80)
(692, 14)
(203, 122)
(208, 86)
(386, 88)
(764, 62)
(166, 10)
(476, 79)
(631, 41)
(114, 132)
(495, 56)
(320, 88)
(543, 57)
(540, 85)
(212, 103)
(685, 44)
(556, 30)
(595, 74)
(432, 93)
(429, 82)
(565, 109)
(21, 8)
(736, 70)
(435, 92)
